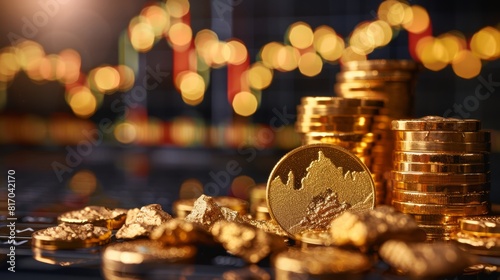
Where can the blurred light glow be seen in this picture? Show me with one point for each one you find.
(180, 35)
(245, 103)
(485, 43)
(203, 42)
(84, 182)
(395, 12)
(30, 52)
(190, 188)
(82, 102)
(52, 67)
(432, 53)
(158, 18)
(141, 33)
(360, 42)
(269, 54)
(220, 53)
(9, 64)
(310, 64)
(380, 32)
(259, 76)
(287, 58)
(107, 79)
(349, 55)
(191, 86)
(125, 133)
(419, 22)
(72, 64)
(300, 35)
(466, 64)
(238, 52)
(177, 8)
(453, 45)
(183, 131)
(241, 185)
(327, 43)
(127, 77)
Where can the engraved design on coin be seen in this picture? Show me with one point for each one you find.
(306, 176)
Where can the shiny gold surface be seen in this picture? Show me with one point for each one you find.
(479, 245)
(369, 228)
(96, 215)
(425, 260)
(176, 232)
(444, 158)
(443, 136)
(481, 226)
(440, 198)
(183, 207)
(440, 168)
(309, 173)
(441, 209)
(453, 147)
(140, 222)
(435, 123)
(70, 236)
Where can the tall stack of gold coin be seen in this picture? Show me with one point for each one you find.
(441, 172)
(351, 123)
(390, 80)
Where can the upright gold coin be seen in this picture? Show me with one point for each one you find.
(435, 123)
(314, 183)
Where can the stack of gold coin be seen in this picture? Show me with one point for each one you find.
(353, 124)
(390, 80)
(441, 172)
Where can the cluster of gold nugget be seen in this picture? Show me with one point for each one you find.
(359, 125)
(441, 172)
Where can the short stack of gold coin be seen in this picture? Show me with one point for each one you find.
(441, 172)
(352, 123)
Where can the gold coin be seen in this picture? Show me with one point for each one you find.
(440, 168)
(435, 123)
(66, 258)
(311, 238)
(70, 236)
(96, 215)
(320, 181)
(424, 146)
(338, 127)
(481, 225)
(380, 64)
(436, 209)
(479, 245)
(436, 219)
(337, 111)
(140, 256)
(440, 198)
(440, 178)
(257, 197)
(444, 158)
(439, 229)
(324, 261)
(443, 136)
(351, 137)
(457, 188)
(262, 212)
(341, 102)
(354, 75)
(331, 119)
(183, 207)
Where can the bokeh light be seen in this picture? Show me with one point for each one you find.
(238, 52)
(453, 43)
(84, 182)
(184, 132)
(180, 35)
(310, 64)
(300, 35)
(485, 43)
(203, 42)
(287, 58)
(241, 185)
(419, 21)
(142, 35)
(127, 77)
(9, 64)
(158, 18)
(349, 55)
(219, 53)
(177, 8)
(125, 133)
(466, 64)
(190, 188)
(72, 64)
(327, 43)
(245, 103)
(259, 76)
(106, 79)
(395, 12)
(269, 54)
(432, 53)
(192, 87)
(82, 101)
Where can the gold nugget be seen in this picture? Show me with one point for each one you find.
(320, 261)
(140, 222)
(70, 236)
(183, 207)
(369, 228)
(425, 260)
(245, 241)
(306, 176)
(176, 232)
(96, 215)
